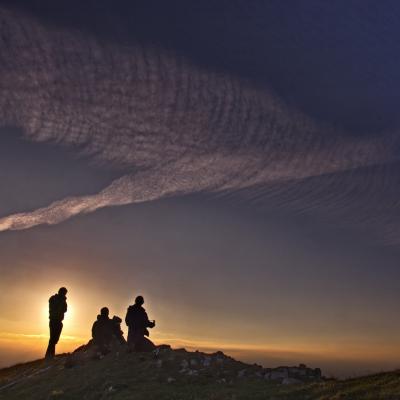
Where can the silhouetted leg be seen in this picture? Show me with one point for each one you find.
(55, 332)
(131, 341)
(147, 345)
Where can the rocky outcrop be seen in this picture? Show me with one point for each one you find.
(225, 369)
(180, 365)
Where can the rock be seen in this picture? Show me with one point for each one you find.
(302, 372)
(192, 372)
(56, 393)
(279, 374)
(118, 386)
(184, 364)
(219, 361)
(170, 379)
(318, 373)
(164, 347)
(193, 362)
(72, 362)
(156, 352)
(219, 357)
(241, 373)
(159, 363)
(206, 362)
(291, 381)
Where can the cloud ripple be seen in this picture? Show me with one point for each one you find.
(177, 127)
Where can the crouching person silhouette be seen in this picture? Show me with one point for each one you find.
(57, 309)
(137, 321)
(102, 331)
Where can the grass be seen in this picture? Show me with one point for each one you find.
(123, 376)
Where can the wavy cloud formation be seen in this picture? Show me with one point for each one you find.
(177, 127)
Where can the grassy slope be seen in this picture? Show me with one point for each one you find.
(130, 376)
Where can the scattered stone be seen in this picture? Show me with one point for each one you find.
(192, 372)
(219, 361)
(116, 387)
(193, 362)
(302, 372)
(72, 362)
(291, 381)
(318, 373)
(56, 393)
(156, 352)
(279, 374)
(241, 373)
(206, 362)
(164, 347)
(170, 379)
(219, 357)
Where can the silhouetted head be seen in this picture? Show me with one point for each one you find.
(116, 319)
(62, 291)
(139, 300)
(104, 312)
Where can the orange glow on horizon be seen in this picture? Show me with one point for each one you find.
(26, 339)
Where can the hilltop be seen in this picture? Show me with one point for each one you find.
(179, 374)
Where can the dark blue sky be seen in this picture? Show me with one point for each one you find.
(338, 61)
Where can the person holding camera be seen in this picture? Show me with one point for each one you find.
(138, 323)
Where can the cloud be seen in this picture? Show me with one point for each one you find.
(177, 127)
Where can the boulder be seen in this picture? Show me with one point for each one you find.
(291, 381)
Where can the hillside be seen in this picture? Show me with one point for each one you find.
(178, 374)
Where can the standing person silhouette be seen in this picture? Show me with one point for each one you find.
(57, 309)
(137, 321)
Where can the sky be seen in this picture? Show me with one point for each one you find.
(236, 164)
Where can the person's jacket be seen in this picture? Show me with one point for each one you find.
(137, 320)
(102, 330)
(57, 307)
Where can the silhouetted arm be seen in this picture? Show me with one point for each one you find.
(128, 317)
(149, 324)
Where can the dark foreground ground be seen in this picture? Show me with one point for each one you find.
(176, 374)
